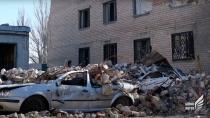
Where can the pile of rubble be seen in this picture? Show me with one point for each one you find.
(102, 73)
(18, 75)
(108, 113)
(105, 72)
(158, 100)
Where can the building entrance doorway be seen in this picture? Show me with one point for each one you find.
(7, 56)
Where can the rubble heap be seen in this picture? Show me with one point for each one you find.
(99, 72)
(158, 100)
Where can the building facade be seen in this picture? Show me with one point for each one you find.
(14, 46)
(91, 31)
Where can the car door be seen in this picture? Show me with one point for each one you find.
(73, 92)
(98, 100)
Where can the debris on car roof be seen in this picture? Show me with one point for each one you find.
(102, 73)
(159, 99)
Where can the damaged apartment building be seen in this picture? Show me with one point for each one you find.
(124, 31)
(14, 46)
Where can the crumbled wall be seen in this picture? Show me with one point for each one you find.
(158, 25)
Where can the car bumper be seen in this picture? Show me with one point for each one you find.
(7, 104)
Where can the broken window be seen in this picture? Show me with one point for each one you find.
(84, 56)
(110, 52)
(176, 3)
(141, 48)
(142, 6)
(84, 18)
(77, 79)
(182, 46)
(110, 11)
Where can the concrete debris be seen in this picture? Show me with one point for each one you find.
(102, 74)
(159, 99)
(18, 75)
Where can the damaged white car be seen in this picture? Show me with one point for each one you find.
(72, 91)
(153, 80)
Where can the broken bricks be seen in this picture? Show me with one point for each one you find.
(152, 103)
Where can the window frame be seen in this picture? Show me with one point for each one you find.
(173, 4)
(135, 47)
(109, 45)
(82, 51)
(189, 46)
(84, 73)
(135, 9)
(106, 12)
(81, 19)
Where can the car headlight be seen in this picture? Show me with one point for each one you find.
(4, 93)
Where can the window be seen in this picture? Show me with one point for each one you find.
(142, 6)
(94, 83)
(84, 18)
(84, 56)
(110, 52)
(177, 3)
(182, 46)
(77, 79)
(141, 48)
(110, 11)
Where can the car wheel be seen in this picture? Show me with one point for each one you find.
(34, 103)
(125, 101)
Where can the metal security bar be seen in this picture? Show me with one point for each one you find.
(183, 46)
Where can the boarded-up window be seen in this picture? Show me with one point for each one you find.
(110, 52)
(183, 46)
(142, 6)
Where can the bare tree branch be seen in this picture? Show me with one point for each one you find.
(39, 32)
(22, 20)
(40, 35)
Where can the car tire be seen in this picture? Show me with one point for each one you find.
(125, 101)
(34, 103)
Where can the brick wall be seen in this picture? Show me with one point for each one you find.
(158, 25)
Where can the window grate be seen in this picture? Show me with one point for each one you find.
(182, 46)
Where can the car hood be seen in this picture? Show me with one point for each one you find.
(25, 90)
(14, 86)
